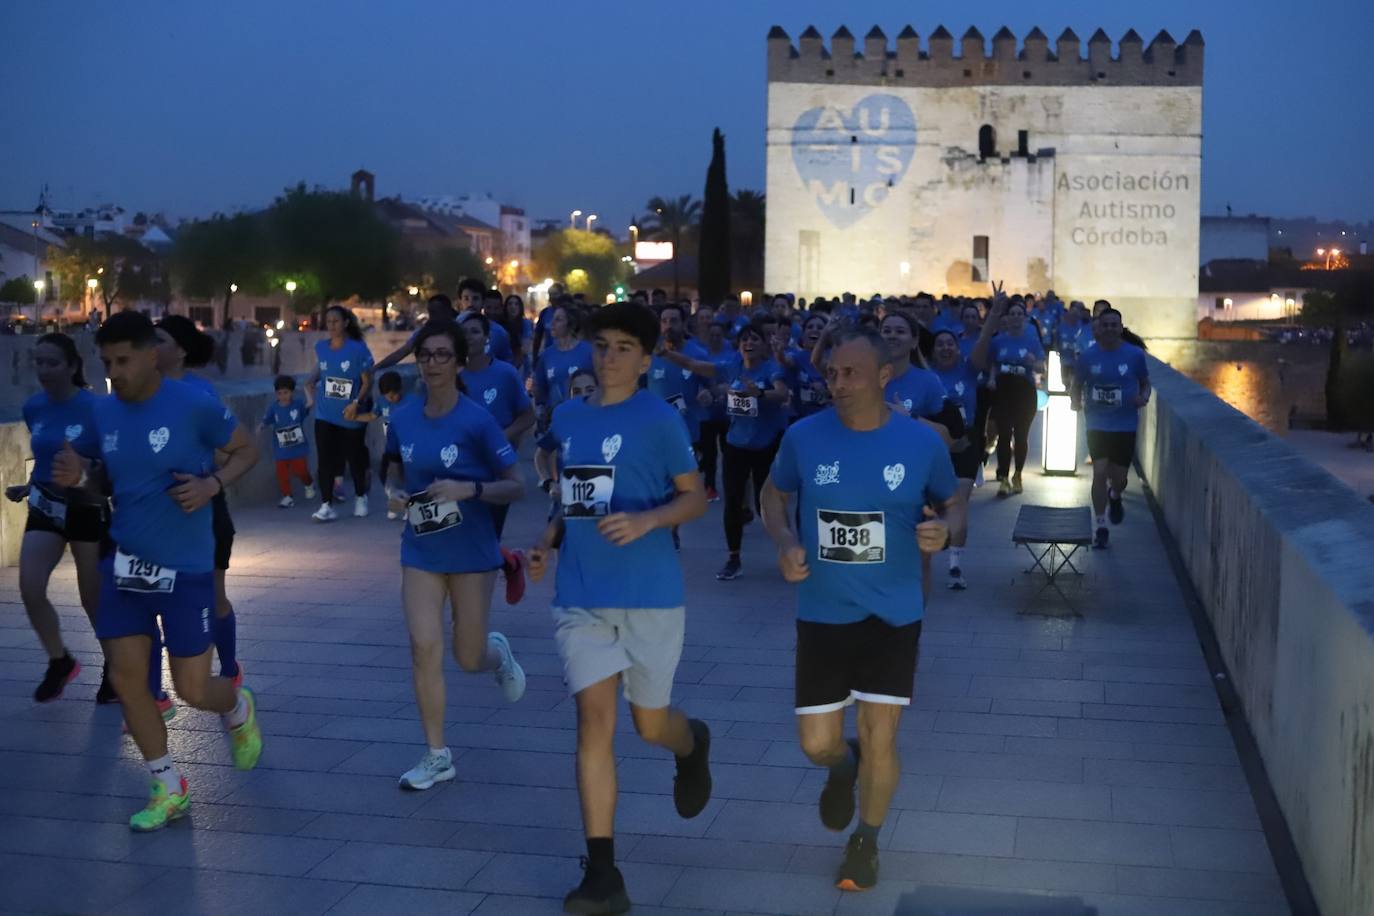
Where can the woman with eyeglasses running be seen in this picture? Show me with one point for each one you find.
(342, 377)
(457, 468)
(61, 412)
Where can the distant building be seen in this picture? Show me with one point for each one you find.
(24, 251)
(511, 241)
(1246, 289)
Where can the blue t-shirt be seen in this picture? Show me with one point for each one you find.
(678, 387)
(861, 498)
(498, 388)
(755, 422)
(384, 409)
(722, 360)
(620, 458)
(945, 322)
(1015, 355)
(288, 428)
(341, 376)
(960, 382)
(52, 422)
(463, 444)
(555, 368)
(142, 444)
(498, 343)
(1111, 380)
(918, 390)
(809, 391)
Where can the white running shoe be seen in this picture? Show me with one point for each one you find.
(392, 516)
(286, 503)
(360, 507)
(956, 580)
(325, 513)
(310, 492)
(510, 675)
(433, 767)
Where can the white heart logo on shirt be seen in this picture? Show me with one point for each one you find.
(158, 438)
(1121, 368)
(1020, 352)
(489, 395)
(686, 374)
(73, 431)
(324, 365)
(37, 428)
(658, 373)
(893, 475)
(345, 364)
(610, 446)
(406, 452)
(958, 387)
(293, 413)
(110, 443)
(1096, 368)
(906, 402)
(449, 455)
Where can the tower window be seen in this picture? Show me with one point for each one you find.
(987, 142)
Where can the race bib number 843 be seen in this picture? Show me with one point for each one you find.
(851, 537)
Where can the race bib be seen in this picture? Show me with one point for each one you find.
(1105, 395)
(288, 436)
(851, 537)
(1012, 369)
(341, 388)
(679, 402)
(427, 516)
(811, 395)
(132, 574)
(587, 490)
(52, 506)
(738, 404)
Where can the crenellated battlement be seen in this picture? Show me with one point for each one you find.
(1162, 62)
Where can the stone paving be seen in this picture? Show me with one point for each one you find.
(1050, 763)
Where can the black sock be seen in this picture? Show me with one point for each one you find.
(600, 853)
(867, 831)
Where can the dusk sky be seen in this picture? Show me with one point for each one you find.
(190, 108)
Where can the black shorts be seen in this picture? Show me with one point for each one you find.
(1114, 448)
(85, 523)
(967, 463)
(838, 663)
(224, 531)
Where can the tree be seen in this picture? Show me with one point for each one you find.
(212, 257)
(1351, 300)
(447, 267)
(127, 272)
(670, 219)
(19, 290)
(584, 262)
(746, 239)
(713, 252)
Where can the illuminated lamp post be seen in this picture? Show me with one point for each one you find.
(1059, 447)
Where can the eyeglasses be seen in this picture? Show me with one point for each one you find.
(434, 356)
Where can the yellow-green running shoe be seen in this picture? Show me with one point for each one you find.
(163, 807)
(247, 738)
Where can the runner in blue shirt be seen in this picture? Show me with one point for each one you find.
(158, 439)
(1110, 385)
(342, 377)
(960, 381)
(285, 420)
(869, 483)
(1013, 358)
(62, 412)
(807, 382)
(679, 386)
(556, 364)
(456, 467)
(499, 344)
(713, 338)
(627, 476)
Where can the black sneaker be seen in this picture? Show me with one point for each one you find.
(601, 891)
(1100, 542)
(1116, 512)
(106, 694)
(730, 570)
(956, 579)
(692, 784)
(859, 870)
(837, 798)
(61, 672)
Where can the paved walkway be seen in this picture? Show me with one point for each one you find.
(1048, 762)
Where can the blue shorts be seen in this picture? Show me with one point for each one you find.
(185, 611)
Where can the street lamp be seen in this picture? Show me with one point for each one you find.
(290, 286)
(92, 283)
(634, 235)
(572, 218)
(233, 287)
(489, 260)
(413, 290)
(590, 220)
(38, 287)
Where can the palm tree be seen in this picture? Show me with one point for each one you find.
(670, 217)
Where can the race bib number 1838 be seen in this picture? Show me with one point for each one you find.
(851, 537)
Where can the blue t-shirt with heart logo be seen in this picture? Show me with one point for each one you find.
(341, 374)
(53, 422)
(918, 391)
(555, 368)
(1111, 381)
(620, 458)
(1015, 354)
(679, 387)
(861, 497)
(755, 421)
(287, 424)
(143, 443)
(960, 382)
(463, 444)
(498, 388)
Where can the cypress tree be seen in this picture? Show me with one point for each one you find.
(713, 253)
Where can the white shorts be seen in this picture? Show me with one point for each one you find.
(643, 643)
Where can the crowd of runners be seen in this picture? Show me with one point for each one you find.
(853, 430)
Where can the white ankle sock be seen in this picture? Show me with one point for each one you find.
(442, 752)
(165, 772)
(956, 557)
(239, 714)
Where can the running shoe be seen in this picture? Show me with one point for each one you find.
(859, 870)
(163, 807)
(1016, 484)
(286, 502)
(325, 513)
(433, 767)
(837, 798)
(692, 783)
(106, 694)
(956, 579)
(712, 495)
(1003, 488)
(392, 516)
(61, 672)
(360, 507)
(310, 492)
(730, 570)
(246, 739)
(1116, 511)
(602, 891)
(1100, 542)
(509, 675)
(165, 706)
(514, 568)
